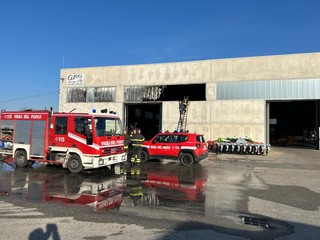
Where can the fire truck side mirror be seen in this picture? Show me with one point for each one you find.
(89, 140)
(88, 135)
(88, 132)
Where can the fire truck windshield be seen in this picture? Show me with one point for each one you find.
(108, 126)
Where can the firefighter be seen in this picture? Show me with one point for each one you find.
(131, 133)
(136, 194)
(137, 141)
(128, 149)
(127, 145)
(135, 190)
(185, 103)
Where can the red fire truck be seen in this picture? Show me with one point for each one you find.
(98, 191)
(101, 195)
(77, 141)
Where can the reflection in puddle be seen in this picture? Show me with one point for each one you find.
(97, 191)
(6, 163)
(156, 184)
(151, 184)
(202, 192)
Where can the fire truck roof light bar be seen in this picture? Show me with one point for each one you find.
(105, 111)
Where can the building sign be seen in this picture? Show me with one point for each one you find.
(75, 79)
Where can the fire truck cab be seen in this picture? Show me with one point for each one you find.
(77, 141)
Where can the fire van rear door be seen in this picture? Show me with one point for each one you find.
(32, 133)
(38, 138)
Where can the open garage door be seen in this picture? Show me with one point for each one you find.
(145, 116)
(143, 104)
(294, 123)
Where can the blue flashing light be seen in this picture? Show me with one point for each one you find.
(94, 110)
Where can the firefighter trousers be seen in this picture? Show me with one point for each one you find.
(136, 157)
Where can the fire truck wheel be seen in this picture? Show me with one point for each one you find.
(75, 164)
(144, 156)
(20, 158)
(186, 159)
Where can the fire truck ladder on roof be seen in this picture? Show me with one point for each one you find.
(183, 107)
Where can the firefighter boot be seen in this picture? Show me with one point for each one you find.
(137, 170)
(132, 171)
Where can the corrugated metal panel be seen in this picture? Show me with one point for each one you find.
(316, 88)
(270, 89)
(243, 88)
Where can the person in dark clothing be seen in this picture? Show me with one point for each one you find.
(137, 141)
(127, 140)
(185, 103)
(127, 145)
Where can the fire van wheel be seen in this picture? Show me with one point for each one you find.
(20, 158)
(186, 159)
(144, 156)
(75, 164)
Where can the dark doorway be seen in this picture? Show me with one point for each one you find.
(195, 92)
(294, 123)
(147, 117)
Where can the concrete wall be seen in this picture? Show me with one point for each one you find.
(212, 117)
(292, 66)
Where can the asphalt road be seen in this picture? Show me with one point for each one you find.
(224, 197)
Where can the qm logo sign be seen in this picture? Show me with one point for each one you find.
(75, 79)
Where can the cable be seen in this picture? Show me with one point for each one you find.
(32, 96)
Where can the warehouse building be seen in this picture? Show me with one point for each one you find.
(271, 99)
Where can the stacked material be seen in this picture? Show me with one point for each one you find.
(238, 146)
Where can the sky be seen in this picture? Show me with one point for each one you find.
(40, 37)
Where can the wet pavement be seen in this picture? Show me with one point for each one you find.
(226, 196)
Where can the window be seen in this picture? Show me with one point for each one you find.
(104, 94)
(200, 138)
(76, 95)
(179, 138)
(108, 126)
(80, 125)
(61, 125)
(83, 125)
(162, 138)
(93, 94)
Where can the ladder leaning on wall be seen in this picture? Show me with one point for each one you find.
(183, 108)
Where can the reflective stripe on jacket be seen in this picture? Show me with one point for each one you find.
(137, 140)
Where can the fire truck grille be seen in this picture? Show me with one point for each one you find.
(112, 150)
